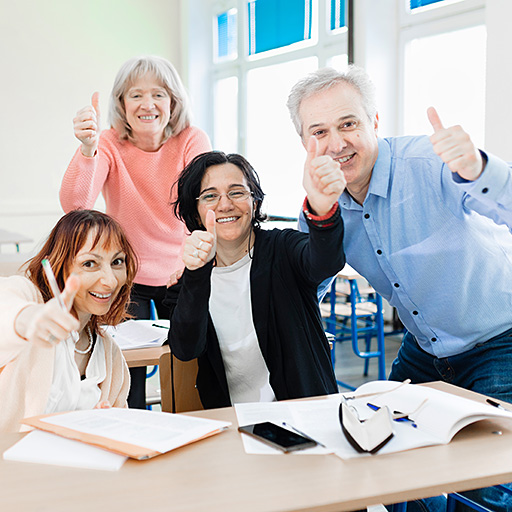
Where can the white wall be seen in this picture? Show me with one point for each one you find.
(498, 128)
(376, 37)
(54, 55)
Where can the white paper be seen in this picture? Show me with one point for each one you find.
(158, 431)
(46, 448)
(139, 333)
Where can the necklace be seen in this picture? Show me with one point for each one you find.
(88, 349)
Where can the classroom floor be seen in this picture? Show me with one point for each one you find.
(349, 368)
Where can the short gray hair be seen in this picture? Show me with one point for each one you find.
(165, 73)
(324, 79)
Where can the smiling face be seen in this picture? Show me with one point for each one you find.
(233, 218)
(148, 108)
(336, 117)
(102, 271)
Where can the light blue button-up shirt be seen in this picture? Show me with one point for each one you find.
(436, 247)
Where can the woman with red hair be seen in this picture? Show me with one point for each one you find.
(55, 357)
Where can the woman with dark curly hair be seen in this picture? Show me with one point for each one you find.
(246, 305)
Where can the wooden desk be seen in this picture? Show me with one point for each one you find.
(217, 475)
(187, 398)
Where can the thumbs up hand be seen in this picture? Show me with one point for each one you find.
(455, 148)
(46, 324)
(201, 246)
(323, 179)
(86, 126)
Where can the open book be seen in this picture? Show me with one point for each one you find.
(135, 433)
(421, 416)
(139, 333)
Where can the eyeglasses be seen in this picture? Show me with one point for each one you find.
(212, 198)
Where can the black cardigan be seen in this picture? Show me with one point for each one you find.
(286, 270)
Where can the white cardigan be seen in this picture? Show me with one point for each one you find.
(26, 370)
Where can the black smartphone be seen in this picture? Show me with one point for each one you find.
(277, 436)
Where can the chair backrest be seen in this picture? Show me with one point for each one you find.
(185, 391)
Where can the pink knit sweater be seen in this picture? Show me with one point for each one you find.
(136, 185)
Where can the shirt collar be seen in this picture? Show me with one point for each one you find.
(379, 183)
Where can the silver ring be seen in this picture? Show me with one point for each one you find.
(195, 253)
(51, 339)
(200, 244)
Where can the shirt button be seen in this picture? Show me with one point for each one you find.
(396, 285)
(366, 215)
(485, 190)
(433, 339)
(414, 312)
(379, 251)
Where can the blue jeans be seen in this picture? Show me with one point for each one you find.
(486, 369)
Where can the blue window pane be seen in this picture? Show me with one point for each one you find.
(421, 3)
(226, 34)
(277, 23)
(338, 14)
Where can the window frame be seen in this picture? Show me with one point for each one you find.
(323, 44)
(430, 22)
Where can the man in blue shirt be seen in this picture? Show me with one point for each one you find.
(428, 223)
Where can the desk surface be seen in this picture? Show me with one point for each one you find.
(217, 475)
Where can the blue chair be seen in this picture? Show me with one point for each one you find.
(153, 315)
(150, 401)
(354, 314)
(454, 497)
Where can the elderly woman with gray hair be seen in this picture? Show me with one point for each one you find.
(134, 164)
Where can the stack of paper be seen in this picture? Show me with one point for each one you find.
(139, 333)
(135, 433)
(45, 448)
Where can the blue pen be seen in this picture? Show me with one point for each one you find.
(405, 418)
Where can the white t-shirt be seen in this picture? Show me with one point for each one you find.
(68, 391)
(230, 308)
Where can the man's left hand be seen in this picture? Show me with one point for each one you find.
(455, 148)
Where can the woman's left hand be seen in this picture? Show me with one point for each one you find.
(174, 278)
(323, 179)
(200, 247)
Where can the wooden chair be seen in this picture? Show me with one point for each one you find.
(184, 394)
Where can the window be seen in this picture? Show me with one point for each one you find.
(338, 14)
(279, 41)
(447, 71)
(274, 24)
(226, 41)
(415, 4)
(443, 64)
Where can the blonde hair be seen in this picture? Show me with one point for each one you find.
(165, 73)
